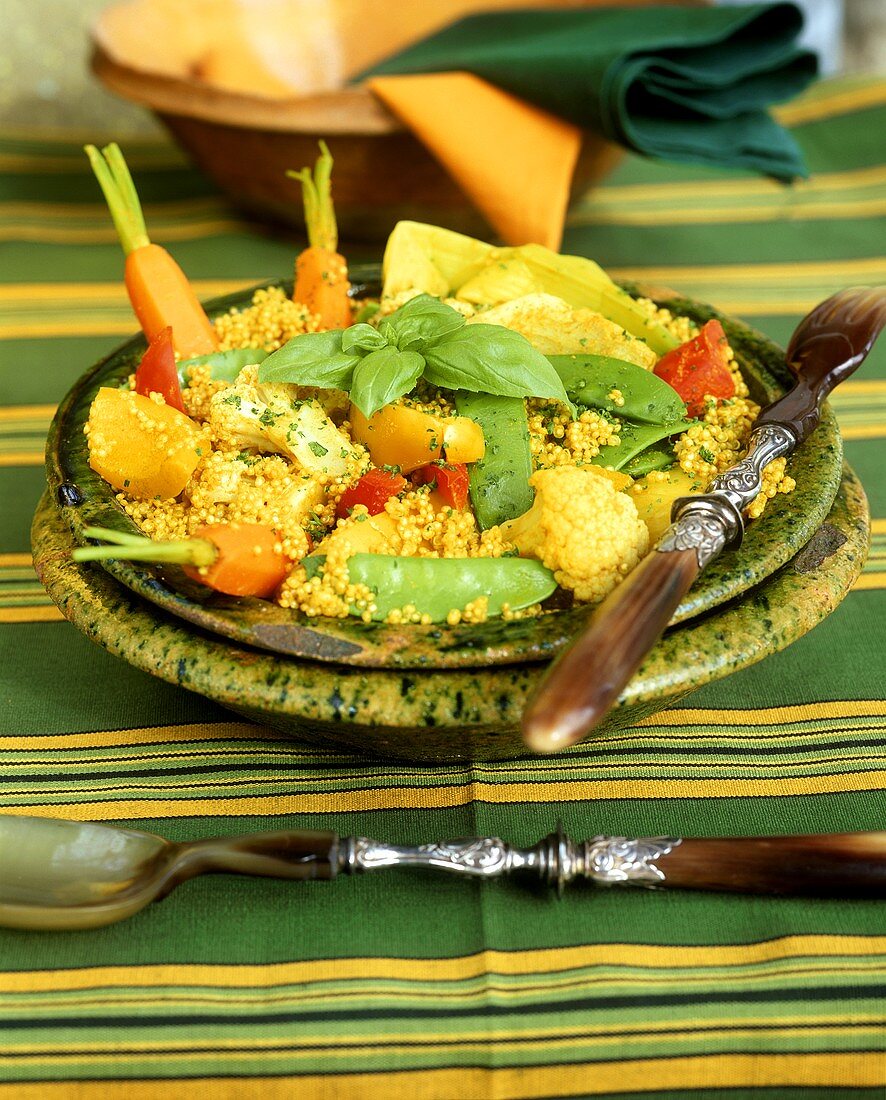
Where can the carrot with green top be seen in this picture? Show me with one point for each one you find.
(239, 559)
(158, 288)
(321, 273)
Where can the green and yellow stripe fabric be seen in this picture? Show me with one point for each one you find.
(407, 986)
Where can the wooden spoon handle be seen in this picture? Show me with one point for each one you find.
(623, 630)
(835, 864)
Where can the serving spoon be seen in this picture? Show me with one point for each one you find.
(586, 679)
(66, 875)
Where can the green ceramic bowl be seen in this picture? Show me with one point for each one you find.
(440, 715)
(788, 524)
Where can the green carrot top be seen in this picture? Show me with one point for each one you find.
(317, 196)
(119, 191)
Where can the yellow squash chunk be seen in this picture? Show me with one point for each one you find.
(463, 440)
(399, 436)
(655, 494)
(372, 535)
(554, 327)
(145, 449)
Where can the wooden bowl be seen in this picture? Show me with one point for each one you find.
(248, 99)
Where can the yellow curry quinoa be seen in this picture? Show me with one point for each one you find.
(246, 472)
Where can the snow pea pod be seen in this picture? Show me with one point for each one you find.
(589, 379)
(434, 586)
(499, 482)
(660, 456)
(224, 366)
(635, 438)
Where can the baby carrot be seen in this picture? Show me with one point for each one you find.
(158, 288)
(321, 273)
(239, 559)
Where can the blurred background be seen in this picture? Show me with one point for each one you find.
(45, 81)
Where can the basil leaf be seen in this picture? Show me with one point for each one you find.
(362, 338)
(314, 359)
(420, 323)
(382, 376)
(492, 359)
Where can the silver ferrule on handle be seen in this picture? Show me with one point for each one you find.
(714, 521)
(556, 860)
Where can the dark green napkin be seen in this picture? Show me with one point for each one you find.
(680, 83)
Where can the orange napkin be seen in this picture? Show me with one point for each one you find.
(514, 161)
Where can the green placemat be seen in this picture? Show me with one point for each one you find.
(417, 986)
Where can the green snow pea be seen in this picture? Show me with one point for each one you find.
(589, 379)
(660, 456)
(224, 366)
(434, 586)
(499, 482)
(635, 438)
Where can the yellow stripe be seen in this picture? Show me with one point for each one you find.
(789, 208)
(48, 614)
(22, 458)
(878, 526)
(27, 412)
(821, 183)
(857, 99)
(368, 801)
(10, 561)
(546, 960)
(863, 431)
(227, 730)
(839, 1070)
(859, 387)
(829, 271)
(43, 164)
(109, 292)
(174, 208)
(144, 735)
(696, 716)
(160, 232)
(870, 582)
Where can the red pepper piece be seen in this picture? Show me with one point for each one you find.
(374, 489)
(452, 481)
(699, 368)
(157, 371)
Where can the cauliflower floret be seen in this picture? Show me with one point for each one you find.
(553, 327)
(234, 487)
(582, 528)
(267, 418)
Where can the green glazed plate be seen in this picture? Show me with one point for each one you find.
(441, 715)
(788, 524)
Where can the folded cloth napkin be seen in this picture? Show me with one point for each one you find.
(682, 83)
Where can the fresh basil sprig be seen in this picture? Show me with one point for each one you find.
(424, 338)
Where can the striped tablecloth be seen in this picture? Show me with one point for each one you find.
(411, 986)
